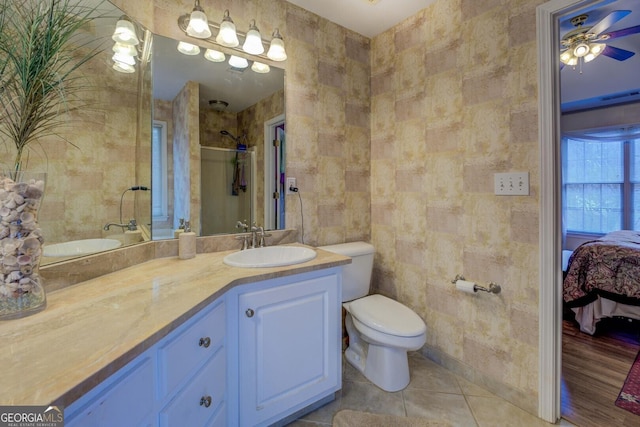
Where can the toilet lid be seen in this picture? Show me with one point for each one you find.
(387, 316)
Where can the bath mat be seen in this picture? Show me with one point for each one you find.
(629, 397)
(349, 418)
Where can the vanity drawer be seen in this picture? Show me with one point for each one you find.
(202, 398)
(190, 347)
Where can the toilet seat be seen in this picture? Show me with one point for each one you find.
(387, 316)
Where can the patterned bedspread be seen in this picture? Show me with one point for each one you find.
(608, 267)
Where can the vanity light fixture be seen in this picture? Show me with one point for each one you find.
(252, 41)
(227, 35)
(198, 23)
(188, 48)
(238, 62)
(126, 47)
(124, 59)
(261, 68)
(125, 33)
(276, 48)
(123, 68)
(214, 55)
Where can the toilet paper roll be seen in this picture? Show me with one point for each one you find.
(465, 286)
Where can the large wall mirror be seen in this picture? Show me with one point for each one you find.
(215, 123)
(101, 155)
(102, 181)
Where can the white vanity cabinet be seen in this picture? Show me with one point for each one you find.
(260, 354)
(288, 349)
(179, 381)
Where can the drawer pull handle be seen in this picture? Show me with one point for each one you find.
(205, 342)
(249, 312)
(205, 401)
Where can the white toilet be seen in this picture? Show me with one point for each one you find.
(380, 330)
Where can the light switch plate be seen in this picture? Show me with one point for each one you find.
(511, 184)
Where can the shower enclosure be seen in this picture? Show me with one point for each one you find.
(228, 190)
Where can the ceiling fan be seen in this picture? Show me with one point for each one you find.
(585, 43)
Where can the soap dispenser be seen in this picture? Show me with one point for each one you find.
(179, 230)
(187, 242)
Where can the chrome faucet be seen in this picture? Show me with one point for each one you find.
(242, 225)
(257, 237)
(131, 226)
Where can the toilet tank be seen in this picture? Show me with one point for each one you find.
(356, 277)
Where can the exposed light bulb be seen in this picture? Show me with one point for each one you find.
(123, 68)
(276, 48)
(125, 33)
(597, 48)
(188, 48)
(214, 55)
(581, 50)
(124, 49)
(227, 35)
(253, 41)
(261, 68)
(125, 59)
(238, 62)
(198, 24)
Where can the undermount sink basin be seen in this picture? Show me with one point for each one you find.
(80, 247)
(271, 256)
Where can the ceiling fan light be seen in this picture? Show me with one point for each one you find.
(589, 57)
(597, 48)
(188, 48)
(276, 48)
(214, 55)
(198, 24)
(227, 35)
(565, 56)
(238, 62)
(572, 61)
(261, 68)
(253, 41)
(125, 33)
(581, 50)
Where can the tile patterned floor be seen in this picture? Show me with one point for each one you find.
(433, 393)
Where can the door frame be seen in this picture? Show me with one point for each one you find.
(550, 287)
(269, 170)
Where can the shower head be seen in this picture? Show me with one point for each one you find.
(229, 134)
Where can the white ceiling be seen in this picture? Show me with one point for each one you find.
(367, 17)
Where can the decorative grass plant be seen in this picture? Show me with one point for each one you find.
(41, 49)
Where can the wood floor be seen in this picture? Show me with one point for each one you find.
(593, 371)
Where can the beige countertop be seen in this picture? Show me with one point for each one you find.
(90, 330)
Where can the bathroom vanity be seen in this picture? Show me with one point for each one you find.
(183, 342)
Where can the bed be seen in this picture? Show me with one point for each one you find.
(603, 279)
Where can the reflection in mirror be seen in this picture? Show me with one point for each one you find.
(215, 163)
(90, 177)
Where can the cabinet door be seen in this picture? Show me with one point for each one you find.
(127, 400)
(289, 354)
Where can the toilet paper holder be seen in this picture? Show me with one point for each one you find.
(493, 288)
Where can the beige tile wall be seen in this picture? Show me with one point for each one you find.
(453, 101)
(93, 160)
